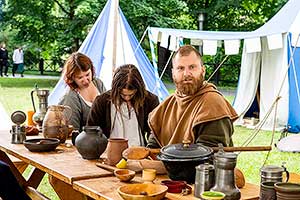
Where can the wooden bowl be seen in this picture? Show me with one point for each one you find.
(124, 175)
(142, 191)
(41, 144)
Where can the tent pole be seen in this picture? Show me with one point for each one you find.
(116, 12)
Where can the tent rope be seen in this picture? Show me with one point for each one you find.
(169, 59)
(273, 133)
(274, 104)
(217, 68)
(141, 40)
(166, 65)
(260, 124)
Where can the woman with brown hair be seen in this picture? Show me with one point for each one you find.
(123, 110)
(79, 75)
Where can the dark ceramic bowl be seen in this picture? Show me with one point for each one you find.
(41, 144)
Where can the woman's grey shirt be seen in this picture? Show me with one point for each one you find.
(80, 109)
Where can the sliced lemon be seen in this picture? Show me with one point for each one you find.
(121, 164)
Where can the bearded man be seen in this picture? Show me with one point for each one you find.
(196, 111)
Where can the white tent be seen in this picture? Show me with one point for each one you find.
(269, 60)
(112, 43)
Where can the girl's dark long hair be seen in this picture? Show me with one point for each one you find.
(128, 77)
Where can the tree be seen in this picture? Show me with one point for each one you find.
(231, 15)
(240, 15)
(53, 28)
(57, 27)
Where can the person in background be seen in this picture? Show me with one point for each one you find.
(123, 110)
(79, 75)
(3, 60)
(9, 186)
(18, 61)
(196, 111)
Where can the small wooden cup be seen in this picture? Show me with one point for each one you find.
(148, 175)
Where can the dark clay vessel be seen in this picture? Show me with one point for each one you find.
(91, 142)
(287, 191)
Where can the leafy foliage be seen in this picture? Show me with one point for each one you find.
(52, 29)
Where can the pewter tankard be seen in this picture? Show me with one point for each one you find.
(204, 179)
(273, 173)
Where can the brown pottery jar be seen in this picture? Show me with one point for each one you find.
(114, 149)
(287, 191)
(55, 123)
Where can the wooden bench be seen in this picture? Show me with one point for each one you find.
(35, 195)
(20, 165)
(30, 191)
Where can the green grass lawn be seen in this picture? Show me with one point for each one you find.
(15, 95)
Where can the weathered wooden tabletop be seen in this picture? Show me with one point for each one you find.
(106, 188)
(65, 163)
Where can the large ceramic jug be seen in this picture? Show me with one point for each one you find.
(91, 142)
(55, 123)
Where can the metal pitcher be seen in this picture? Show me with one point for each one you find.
(39, 114)
(224, 169)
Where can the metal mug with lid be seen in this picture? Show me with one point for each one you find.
(204, 179)
(273, 173)
(18, 131)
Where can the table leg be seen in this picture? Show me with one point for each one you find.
(35, 177)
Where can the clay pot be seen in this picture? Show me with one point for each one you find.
(114, 150)
(91, 142)
(267, 191)
(290, 191)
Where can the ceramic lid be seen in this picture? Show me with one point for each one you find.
(186, 150)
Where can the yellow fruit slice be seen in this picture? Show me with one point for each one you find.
(121, 164)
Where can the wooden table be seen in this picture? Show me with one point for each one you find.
(66, 164)
(106, 188)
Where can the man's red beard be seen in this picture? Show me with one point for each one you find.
(189, 88)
